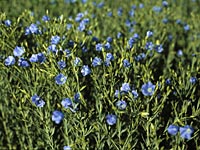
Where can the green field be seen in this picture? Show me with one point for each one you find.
(99, 75)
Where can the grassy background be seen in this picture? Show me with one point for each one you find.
(24, 126)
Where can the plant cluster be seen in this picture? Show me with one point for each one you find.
(100, 75)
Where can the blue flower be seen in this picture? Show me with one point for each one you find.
(60, 79)
(18, 51)
(31, 29)
(168, 81)
(119, 34)
(128, 23)
(111, 119)
(37, 101)
(81, 26)
(149, 46)
(121, 104)
(77, 61)
(45, 18)
(96, 61)
(148, 89)
(174, 93)
(159, 48)
(69, 26)
(120, 11)
(193, 80)
(69, 1)
(7, 23)
(109, 57)
(61, 64)
(89, 32)
(131, 12)
(107, 46)
(170, 37)
(68, 52)
(57, 116)
(33, 58)
(41, 57)
(95, 39)
(186, 132)
(84, 1)
(173, 129)
(79, 16)
(100, 5)
(77, 97)
(139, 57)
(85, 70)
(23, 62)
(133, 7)
(67, 148)
(125, 87)
(117, 93)
(157, 9)
(99, 47)
(131, 42)
(55, 39)
(179, 53)
(178, 21)
(141, 5)
(149, 34)
(109, 39)
(38, 23)
(126, 63)
(131, 30)
(136, 36)
(85, 20)
(84, 49)
(107, 63)
(186, 27)
(110, 14)
(52, 48)
(135, 93)
(165, 20)
(66, 103)
(165, 3)
(193, 55)
(10, 60)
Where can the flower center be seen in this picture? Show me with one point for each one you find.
(149, 90)
(188, 131)
(62, 79)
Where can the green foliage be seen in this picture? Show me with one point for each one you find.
(144, 122)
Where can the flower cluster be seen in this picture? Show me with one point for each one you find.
(37, 101)
(123, 68)
(32, 29)
(185, 132)
(40, 57)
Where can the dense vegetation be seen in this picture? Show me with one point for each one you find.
(83, 74)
